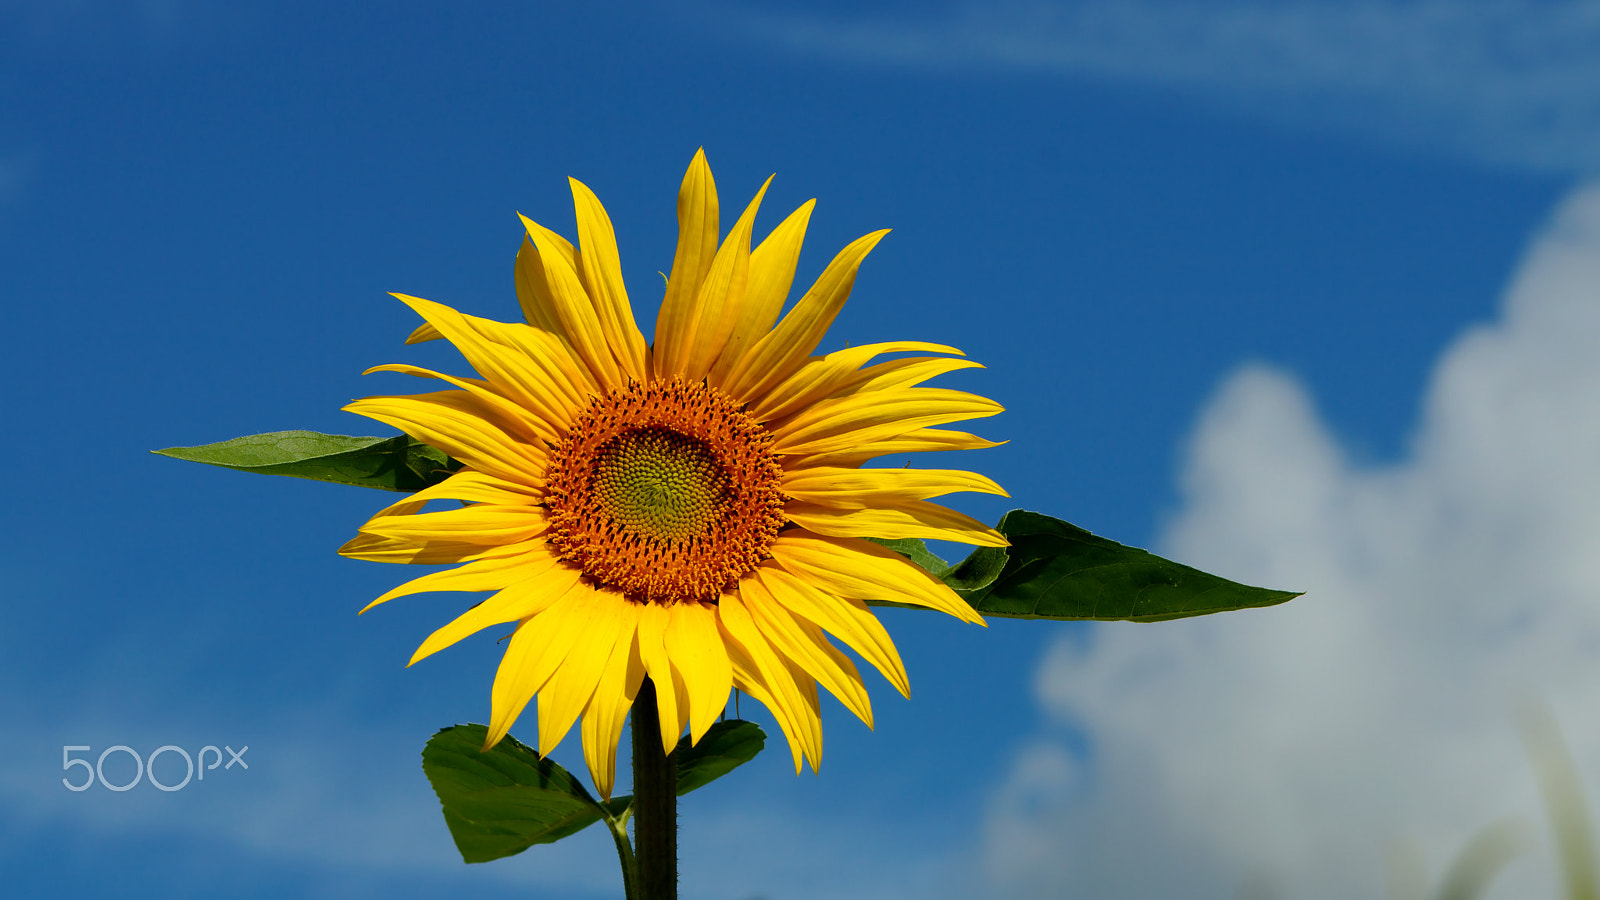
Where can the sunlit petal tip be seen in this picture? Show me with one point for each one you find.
(599, 267)
(424, 332)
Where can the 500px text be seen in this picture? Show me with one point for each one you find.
(146, 769)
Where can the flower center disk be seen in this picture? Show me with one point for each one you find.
(666, 491)
(657, 482)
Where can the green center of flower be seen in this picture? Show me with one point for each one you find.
(661, 483)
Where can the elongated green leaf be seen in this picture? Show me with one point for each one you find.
(1056, 570)
(504, 801)
(500, 803)
(726, 746)
(392, 464)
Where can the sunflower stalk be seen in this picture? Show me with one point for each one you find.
(655, 803)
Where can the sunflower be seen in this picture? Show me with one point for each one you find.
(693, 510)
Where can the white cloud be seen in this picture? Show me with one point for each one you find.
(1289, 749)
(1494, 80)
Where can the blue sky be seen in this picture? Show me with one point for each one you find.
(1300, 292)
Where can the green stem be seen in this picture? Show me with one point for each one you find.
(630, 866)
(655, 802)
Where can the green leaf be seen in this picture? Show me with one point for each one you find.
(502, 802)
(728, 745)
(725, 746)
(1056, 570)
(979, 570)
(393, 464)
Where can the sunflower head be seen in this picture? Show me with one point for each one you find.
(692, 510)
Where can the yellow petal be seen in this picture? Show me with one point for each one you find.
(481, 523)
(376, 549)
(422, 333)
(531, 368)
(720, 300)
(492, 571)
(748, 679)
(463, 427)
(601, 269)
(533, 288)
(922, 440)
(851, 567)
(609, 619)
(576, 310)
(697, 246)
(672, 698)
(537, 649)
(696, 647)
(477, 487)
(805, 690)
(846, 619)
(762, 671)
(855, 419)
(568, 381)
(784, 349)
(411, 504)
(772, 266)
(463, 485)
(542, 584)
(520, 421)
(906, 519)
(608, 710)
(808, 648)
(903, 373)
(865, 488)
(826, 375)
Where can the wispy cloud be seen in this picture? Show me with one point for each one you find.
(1499, 81)
(1291, 748)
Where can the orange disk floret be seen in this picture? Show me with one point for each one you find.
(665, 490)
